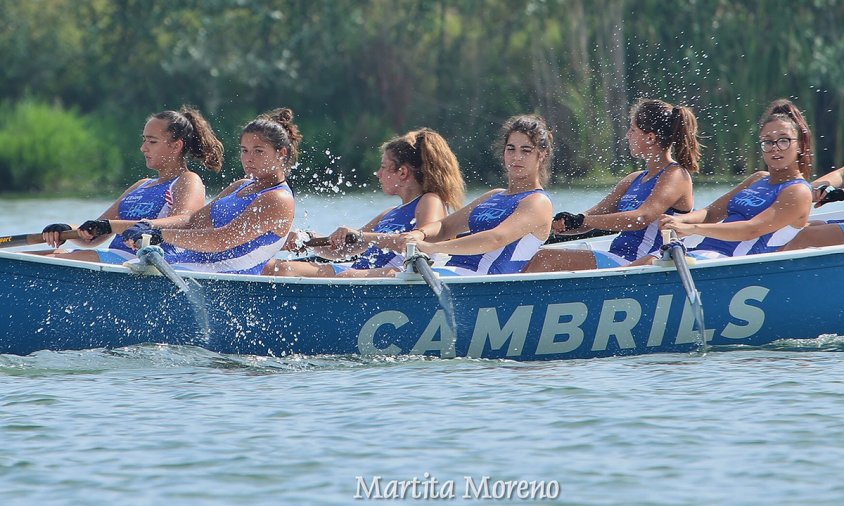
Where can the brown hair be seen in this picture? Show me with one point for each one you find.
(675, 127)
(434, 165)
(277, 128)
(536, 129)
(188, 125)
(784, 110)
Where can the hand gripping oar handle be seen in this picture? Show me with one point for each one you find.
(673, 247)
(11, 241)
(324, 241)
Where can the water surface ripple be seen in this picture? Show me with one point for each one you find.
(180, 425)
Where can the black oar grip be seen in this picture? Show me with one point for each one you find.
(324, 241)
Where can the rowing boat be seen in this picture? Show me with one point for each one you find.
(57, 304)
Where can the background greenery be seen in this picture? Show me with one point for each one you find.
(80, 76)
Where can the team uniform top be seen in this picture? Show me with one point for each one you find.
(634, 244)
(152, 199)
(399, 219)
(746, 204)
(247, 258)
(509, 259)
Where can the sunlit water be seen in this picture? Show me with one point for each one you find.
(180, 425)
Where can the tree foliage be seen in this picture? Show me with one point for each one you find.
(359, 71)
(48, 148)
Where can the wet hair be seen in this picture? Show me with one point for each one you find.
(536, 129)
(200, 142)
(434, 165)
(784, 110)
(675, 127)
(277, 129)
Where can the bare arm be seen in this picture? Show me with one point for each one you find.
(834, 179)
(201, 219)
(791, 208)
(447, 228)
(532, 216)
(717, 210)
(339, 249)
(674, 187)
(608, 204)
(111, 213)
(430, 210)
(270, 212)
(188, 197)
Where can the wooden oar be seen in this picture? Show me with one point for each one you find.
(10, 241)
(675, 249)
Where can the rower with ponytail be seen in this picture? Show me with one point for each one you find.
(420, 169)
(244, 226)
(665, 137)
(168, 200)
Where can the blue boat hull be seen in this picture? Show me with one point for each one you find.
(66, 305)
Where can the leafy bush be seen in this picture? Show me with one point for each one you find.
(48, 148)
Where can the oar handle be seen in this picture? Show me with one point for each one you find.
(10, 241)
(324, 241)
(554, 238)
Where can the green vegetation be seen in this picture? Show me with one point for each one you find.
(46, 148)
(359, 71)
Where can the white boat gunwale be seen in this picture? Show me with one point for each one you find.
(457, 280)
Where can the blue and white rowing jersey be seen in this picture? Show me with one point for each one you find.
(746, 204)
(397, 220)
(247, 258)
(512, 257)
(152, 199)
(634, 244)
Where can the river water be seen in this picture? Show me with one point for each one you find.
(180, 425)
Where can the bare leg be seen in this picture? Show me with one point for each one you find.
(381, 272)
(645, 260)
(298, 269)
(45, 252)
(86, 255)
(816, 235)
(550, 260)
